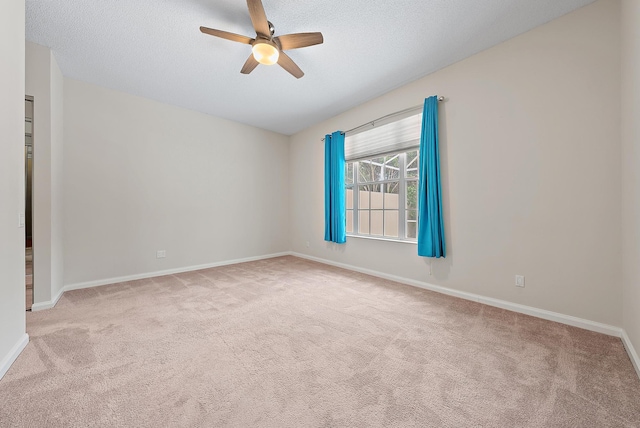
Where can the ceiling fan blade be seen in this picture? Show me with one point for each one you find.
(226, 35)
(259, 18)
(299, 40)
(288, 64)
(249, 65)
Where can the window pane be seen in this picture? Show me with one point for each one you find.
(412, 223)
(376, 197)
(363, 197)
(377, 222)
(348, 173)
(376, 167)
(392, 167)
(349, 195)
(363, 222)
(349, 221)
(412, 195)
(391, 191)
(365, 171)
(411, 229)
(412, 164)
(391, 223)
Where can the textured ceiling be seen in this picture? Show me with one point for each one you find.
(153, 48)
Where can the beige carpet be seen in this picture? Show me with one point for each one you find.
(290, 343)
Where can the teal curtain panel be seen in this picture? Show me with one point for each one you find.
(431, 241)
(335, 223)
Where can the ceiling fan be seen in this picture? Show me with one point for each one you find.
(267, 49)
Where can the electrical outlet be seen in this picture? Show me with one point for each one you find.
(307, 244)
(161, 254)
(519, 280)
(21, 220)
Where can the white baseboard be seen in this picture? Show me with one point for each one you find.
(48, 304)
(115, 280)
(503, 304)
(13, 354)
(633, 355)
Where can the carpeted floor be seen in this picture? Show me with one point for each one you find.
(291, 343)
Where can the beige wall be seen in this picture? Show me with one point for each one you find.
(44, 82)
(57, 170)
(12, 288)
(141, 176)
(631, 169)
(531, 177)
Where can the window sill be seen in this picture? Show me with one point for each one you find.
(379, 238)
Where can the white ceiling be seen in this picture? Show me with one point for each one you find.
(153, 48)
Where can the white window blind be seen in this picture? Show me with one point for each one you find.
(397, 136)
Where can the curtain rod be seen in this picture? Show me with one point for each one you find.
(372, 122)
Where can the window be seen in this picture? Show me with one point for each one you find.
(382, 196)
(381, 178)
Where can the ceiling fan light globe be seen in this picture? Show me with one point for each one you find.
(265, 53)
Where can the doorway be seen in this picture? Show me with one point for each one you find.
(28, 168)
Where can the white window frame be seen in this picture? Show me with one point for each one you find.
(402, 181)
